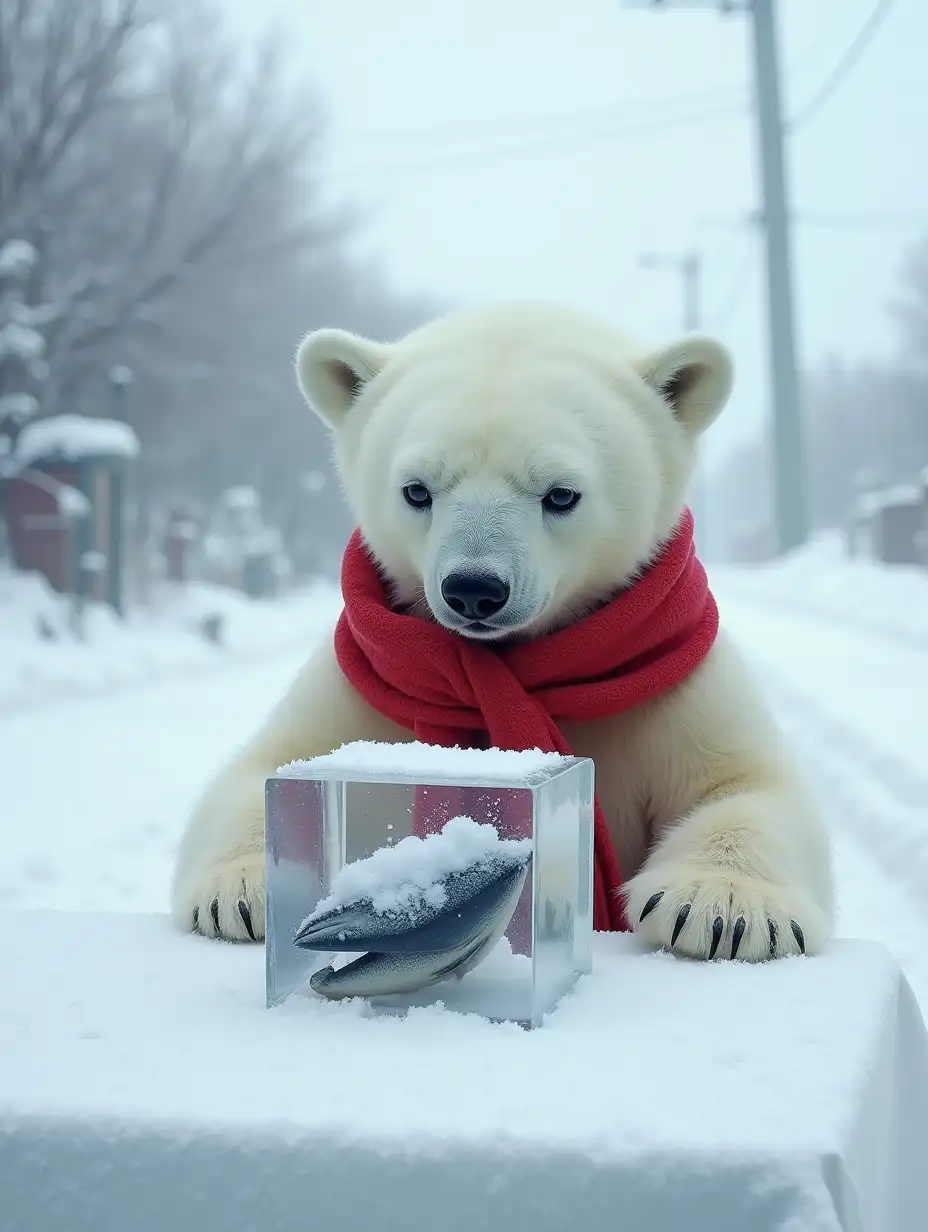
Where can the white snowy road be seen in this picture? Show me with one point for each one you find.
(93, 793)
(851, 703)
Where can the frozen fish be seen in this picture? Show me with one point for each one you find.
(438, 936)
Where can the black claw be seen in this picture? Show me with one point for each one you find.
(214, 913)
(772, 929)
(196, 919)
(650, 905)
(246, 919)
(718, 927)
(737, 933)
(681, 920)
(799, 935)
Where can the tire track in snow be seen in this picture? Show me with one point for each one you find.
(756, 588)
(878, 801)
(880, 842)
(849, 704)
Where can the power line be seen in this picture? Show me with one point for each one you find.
(648, 108)
(845, 65)
(836, 220)
(554, 143)
(698, 108)
(862, 220)
(520, 124)
(632, 120)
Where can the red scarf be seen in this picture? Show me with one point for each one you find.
(450, 690)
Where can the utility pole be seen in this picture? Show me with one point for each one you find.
(789, 478)
(789, 495)
(689, 266)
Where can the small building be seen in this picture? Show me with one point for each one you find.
(65, 504)
(889, 525)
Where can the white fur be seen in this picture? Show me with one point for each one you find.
(490, 409)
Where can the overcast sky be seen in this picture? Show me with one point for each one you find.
(528, 148)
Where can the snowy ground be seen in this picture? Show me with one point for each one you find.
(44, 659)
(850, 702)
(823, 581)
(94, 789)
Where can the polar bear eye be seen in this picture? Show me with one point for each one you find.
(417, 496)
(560, 500)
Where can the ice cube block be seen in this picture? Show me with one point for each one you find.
(349, 806)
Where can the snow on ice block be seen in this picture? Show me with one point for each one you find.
(410, 874)
(144, 1085)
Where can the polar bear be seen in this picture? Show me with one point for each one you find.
(724, 851)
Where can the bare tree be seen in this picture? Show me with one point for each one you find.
(165, 182)
(60, 67)
(139, 141)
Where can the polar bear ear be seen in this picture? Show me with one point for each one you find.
(694, 375)
(332, 367)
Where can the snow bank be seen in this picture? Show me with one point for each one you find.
(73, 437)
(394, 878)
(661, 1094)
(415, 759)
(822, 580)
(43, 660)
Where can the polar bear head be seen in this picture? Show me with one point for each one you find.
(512, 468)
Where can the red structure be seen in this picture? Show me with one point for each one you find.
(65, 508)
(41, 534)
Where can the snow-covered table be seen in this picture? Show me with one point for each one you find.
(144, 1086)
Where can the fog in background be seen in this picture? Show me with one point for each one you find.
(186, 187)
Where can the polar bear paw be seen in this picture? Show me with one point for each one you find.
(225, 900)
(716, 913)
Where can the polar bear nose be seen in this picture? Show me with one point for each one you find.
(475, 596)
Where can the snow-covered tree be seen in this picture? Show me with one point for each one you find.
(23, 368)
